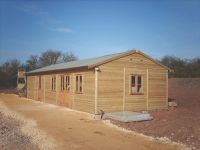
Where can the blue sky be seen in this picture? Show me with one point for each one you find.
(94, 28)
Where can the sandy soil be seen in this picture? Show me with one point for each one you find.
(181, 124)
(69, 129)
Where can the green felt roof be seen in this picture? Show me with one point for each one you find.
(75, 64)
(90, 63)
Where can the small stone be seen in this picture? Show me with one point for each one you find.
(172, 104)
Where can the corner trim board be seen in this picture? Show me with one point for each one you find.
(96, 90)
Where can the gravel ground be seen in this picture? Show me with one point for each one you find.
(181, 124)
(20, 133)
(11, 137)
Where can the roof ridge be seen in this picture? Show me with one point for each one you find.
(87, 58)
(89, 62)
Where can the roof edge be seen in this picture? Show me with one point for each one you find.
(133, 51)
(167, 68)
(58, 70)
(114, 58)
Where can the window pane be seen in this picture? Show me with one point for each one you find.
(39, 82)
(139, 84)
(133, 84)
(61, 82)
(80, 83)
(54, 83)
(132, 80)
(66, 82)
(132, 90)
(139, 89)
(139, 80)
(76, 83)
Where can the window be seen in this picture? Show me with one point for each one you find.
(21, 81)
(53, 83)
(79, 84)
(62, 82)
(67, 83)
(39, 82)
(136, 84)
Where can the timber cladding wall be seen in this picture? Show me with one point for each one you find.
(81, 101)
(31, 87)
(135, 102)
(110, 88)
(158, 96)
(50, 95)
(85, 100)
(114, 85)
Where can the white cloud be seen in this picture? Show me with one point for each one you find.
(67, 30)
(43, 17)
(32, 9)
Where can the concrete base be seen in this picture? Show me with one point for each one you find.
(128, 116)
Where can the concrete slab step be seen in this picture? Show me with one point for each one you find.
(128, 116)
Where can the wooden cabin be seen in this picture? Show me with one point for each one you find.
(128, 81)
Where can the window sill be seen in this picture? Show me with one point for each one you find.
(137, 94)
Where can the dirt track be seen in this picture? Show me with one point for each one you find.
(75, 130)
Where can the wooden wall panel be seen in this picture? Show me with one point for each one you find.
(50, 95)
(30, 87)
(158, 89)
(85, 100)
(111, 87)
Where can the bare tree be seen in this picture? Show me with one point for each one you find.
(32, 62)
(182, 67)
(68, 57)
(50, 57)
(8, 70)
(8, 73)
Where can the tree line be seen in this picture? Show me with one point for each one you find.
(9, 69)
(181, 68)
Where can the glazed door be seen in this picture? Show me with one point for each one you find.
(64, 90)
(40, 95)
(63, 97)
